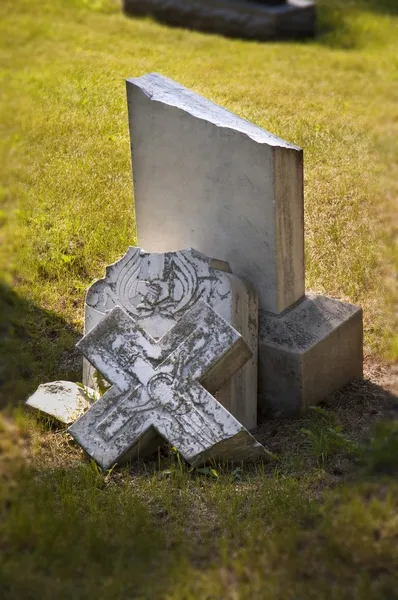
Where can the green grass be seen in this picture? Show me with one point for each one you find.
(320, 520)
(161, 531)
(66, 195)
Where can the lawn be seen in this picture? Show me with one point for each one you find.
(320, 519)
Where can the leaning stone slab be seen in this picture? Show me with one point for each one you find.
(205, 177)
(307, 353)
(157, 289)
(164, 388)
(63, 400)
(269, 19)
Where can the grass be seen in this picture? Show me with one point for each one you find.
(320, 520)
(160, 530)
(66, 196)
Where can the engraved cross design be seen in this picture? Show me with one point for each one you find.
(162, 388)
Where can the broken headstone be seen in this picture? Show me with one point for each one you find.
(164, 388)
(157, 289)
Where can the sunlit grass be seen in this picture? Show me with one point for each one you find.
(66, 196)
(158, 530)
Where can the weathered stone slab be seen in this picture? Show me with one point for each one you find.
(164, 388)
(156, 290)
(204, 177)
(307, 353)
(260, 19)
(63, 400)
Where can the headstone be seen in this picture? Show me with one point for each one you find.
(250, 19)
(157, 289)
(268, 2)
(206, 178)
(164, 388)
(63, 400)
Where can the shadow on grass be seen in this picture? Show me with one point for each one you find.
(75, 533)
(36, 346)
(354, 409)
(74, 538)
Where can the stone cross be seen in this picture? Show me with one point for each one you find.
(206, 178)
(164, 388)
(157, 289)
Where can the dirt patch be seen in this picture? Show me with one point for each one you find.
(355, 408)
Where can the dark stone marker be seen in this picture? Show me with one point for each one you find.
(268, 2)
(248, 19)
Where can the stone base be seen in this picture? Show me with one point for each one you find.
(234, 18)
(306, 353)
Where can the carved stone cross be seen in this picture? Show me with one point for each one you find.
(157, 289)
(164, 388)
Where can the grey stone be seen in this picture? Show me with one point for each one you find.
(164, 388)
(156, 290)
(261, 19)
(63, 400)
(204, 177)
(307, 353)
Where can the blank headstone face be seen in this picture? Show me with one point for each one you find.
(205, 178)
(157, 289)
(164, 388)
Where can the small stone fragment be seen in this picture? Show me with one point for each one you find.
(63, 400)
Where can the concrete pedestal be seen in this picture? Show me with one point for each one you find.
(306, 353)
(156, 289)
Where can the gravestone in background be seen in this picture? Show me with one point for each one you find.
(206, 178)
(164, 388)
(157, 289)
(260, 19)
(267, 2)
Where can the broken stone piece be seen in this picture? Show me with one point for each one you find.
(63, 400)
(157, 289)
(164, 388)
